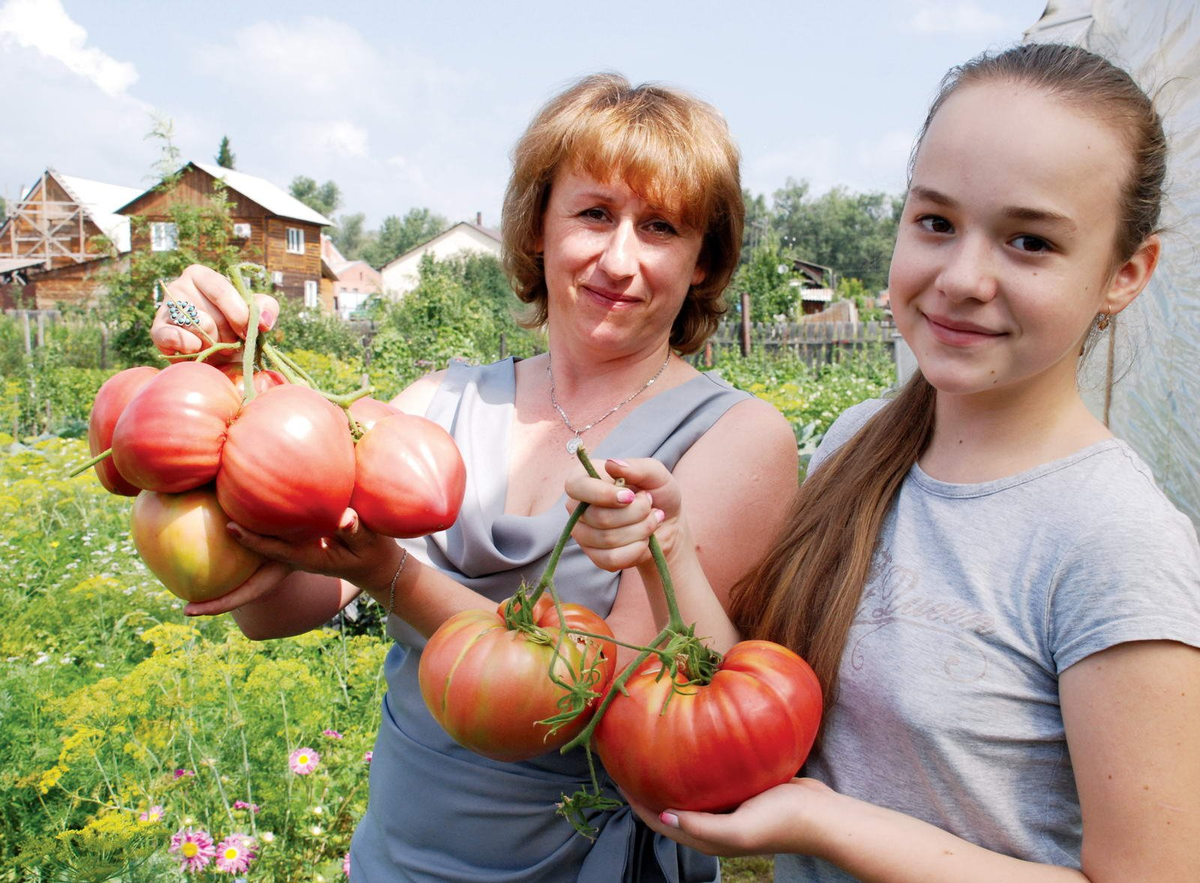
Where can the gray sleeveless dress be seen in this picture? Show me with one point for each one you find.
(438, 812)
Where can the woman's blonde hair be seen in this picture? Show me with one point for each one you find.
(672, 149)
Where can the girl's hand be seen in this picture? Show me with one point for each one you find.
(771, 822)
(221, 311)
(354, 554)
(615, 528)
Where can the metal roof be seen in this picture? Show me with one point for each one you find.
(101, 202)
(266, 194)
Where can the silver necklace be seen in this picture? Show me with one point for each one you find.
(574, 443)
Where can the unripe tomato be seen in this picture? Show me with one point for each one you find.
(287, 468)
(409, 477)
(714, 745)
(183, 540)
(488, 686)
(169, 436)
(263, 380)
(111, 399)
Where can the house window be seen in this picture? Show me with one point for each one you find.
(241, 231)
(277, 277)
(164, 236)
(295, 240)
(310, 295)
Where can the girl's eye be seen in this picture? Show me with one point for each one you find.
(935, 224)
(1031, 244)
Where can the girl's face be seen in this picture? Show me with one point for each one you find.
(617, 268)
(1005, 252)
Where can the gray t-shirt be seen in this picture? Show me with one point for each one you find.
(980, 595)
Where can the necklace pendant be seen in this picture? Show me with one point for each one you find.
(574, 445)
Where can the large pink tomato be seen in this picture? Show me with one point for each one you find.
(182, 539)
(110, 403)
(409, 477)
(287, 468)
(169, 436)
(488, 686)
(713, 745)
(368, 411)
(263, 380)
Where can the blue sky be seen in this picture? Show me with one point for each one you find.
(409, 104)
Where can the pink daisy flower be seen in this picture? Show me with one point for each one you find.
(241, 804)
(153, 814)
(346, 866)
(331, 734)
(369, 756)
(235, 853)
(193, 848)
(180, 773)
(303, 761)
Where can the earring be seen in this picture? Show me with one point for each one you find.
(1102, 321)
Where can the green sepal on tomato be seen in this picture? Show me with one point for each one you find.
(287, 466)
(671, 744)
(170, 435)
(409, 477)
(183, 540)
(110, 402)
(488, 685)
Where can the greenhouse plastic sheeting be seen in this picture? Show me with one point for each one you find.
(1154, 403)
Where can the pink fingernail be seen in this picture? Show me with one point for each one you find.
(619, 462)
(625, 496)
(265, 320)
(659, 515)
(669, 819)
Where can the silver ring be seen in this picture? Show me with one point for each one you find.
(183, 313)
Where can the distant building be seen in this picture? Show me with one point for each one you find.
(275, 229)
(401, 275)
(354, 282)
(58, 236)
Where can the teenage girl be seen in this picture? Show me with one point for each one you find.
(1002, 607)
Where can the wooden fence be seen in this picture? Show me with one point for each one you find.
(814, 342)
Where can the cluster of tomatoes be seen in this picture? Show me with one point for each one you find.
(283, 463)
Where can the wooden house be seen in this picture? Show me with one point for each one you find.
(275, 229)
(55, 241)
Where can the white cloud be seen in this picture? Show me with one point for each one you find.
(341, 138)
(45, 26)
(954, 17)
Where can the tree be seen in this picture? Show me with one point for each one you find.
(348, 235)
(225, 156)
(398, 235)
(851, 232)
(323, 198)
(766, 276)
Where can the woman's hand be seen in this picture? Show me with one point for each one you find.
(619, 520)
(221, 312)
(354, 554)
(771, 822)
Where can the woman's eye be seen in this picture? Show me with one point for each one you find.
(1031, 244)
(662, 228)
(935, 224)
(595, 214)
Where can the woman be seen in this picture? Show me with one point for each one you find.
(1002, 606)
(622, 226)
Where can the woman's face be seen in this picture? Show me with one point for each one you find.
(617, 268)
(1005, 250)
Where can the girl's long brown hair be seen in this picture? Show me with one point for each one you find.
(806, 593)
